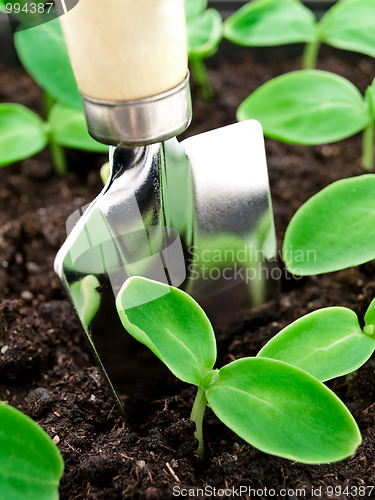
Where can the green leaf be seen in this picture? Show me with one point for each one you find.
(370, 314)
(204, 34)
(86, 298)
(263, 23)
(31, 465)
(349, 25)
(69, 129)
(22, 133)
(327, 343)
(283, 410)
(44, 55)
(307, 107)
(170, 323)
(194, 7)
(334, 229)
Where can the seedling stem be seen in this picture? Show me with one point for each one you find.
(59, 162)
(48, 102)
(273, 405)
(368, 133)
(368, 147)
(310, 54)
(198, 68)
(60, 165)
(197, 414)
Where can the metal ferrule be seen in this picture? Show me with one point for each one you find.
(141, 121)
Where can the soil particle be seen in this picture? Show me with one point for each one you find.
(39, 402)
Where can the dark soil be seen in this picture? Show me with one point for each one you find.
(46, 369)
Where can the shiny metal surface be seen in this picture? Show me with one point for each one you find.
(195, 214)
(142, 121)
(233, 258)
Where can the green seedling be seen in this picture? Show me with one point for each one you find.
(312, 107)
(31, 465)
(43, 53)
(204, 34)
(23, 133)
(348, 25)
(42, 50)
(276, 407)
(333, 230)
(326, 343)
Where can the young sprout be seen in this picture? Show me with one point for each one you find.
(22, 132)
(348, 25)
(326, 343)
(313, 107)
(204, 34)
(43, 53)
(31, 465)
(333, 230)
(276, 407)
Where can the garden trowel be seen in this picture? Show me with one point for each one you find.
(195, 214)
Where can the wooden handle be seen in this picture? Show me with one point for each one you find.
(123, 50)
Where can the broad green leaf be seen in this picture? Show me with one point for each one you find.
(170, 323)
(44, 55)
(349, 25)
(69, 129)
(327, 343)
(31, 465)
(307, 107)
(334, 229)
(194, 7)
(283, 411)
(370, 314)
(22, 133)
(86, 298)
(204, 34)
(264, 23)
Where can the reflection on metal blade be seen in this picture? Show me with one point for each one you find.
(196, 215)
